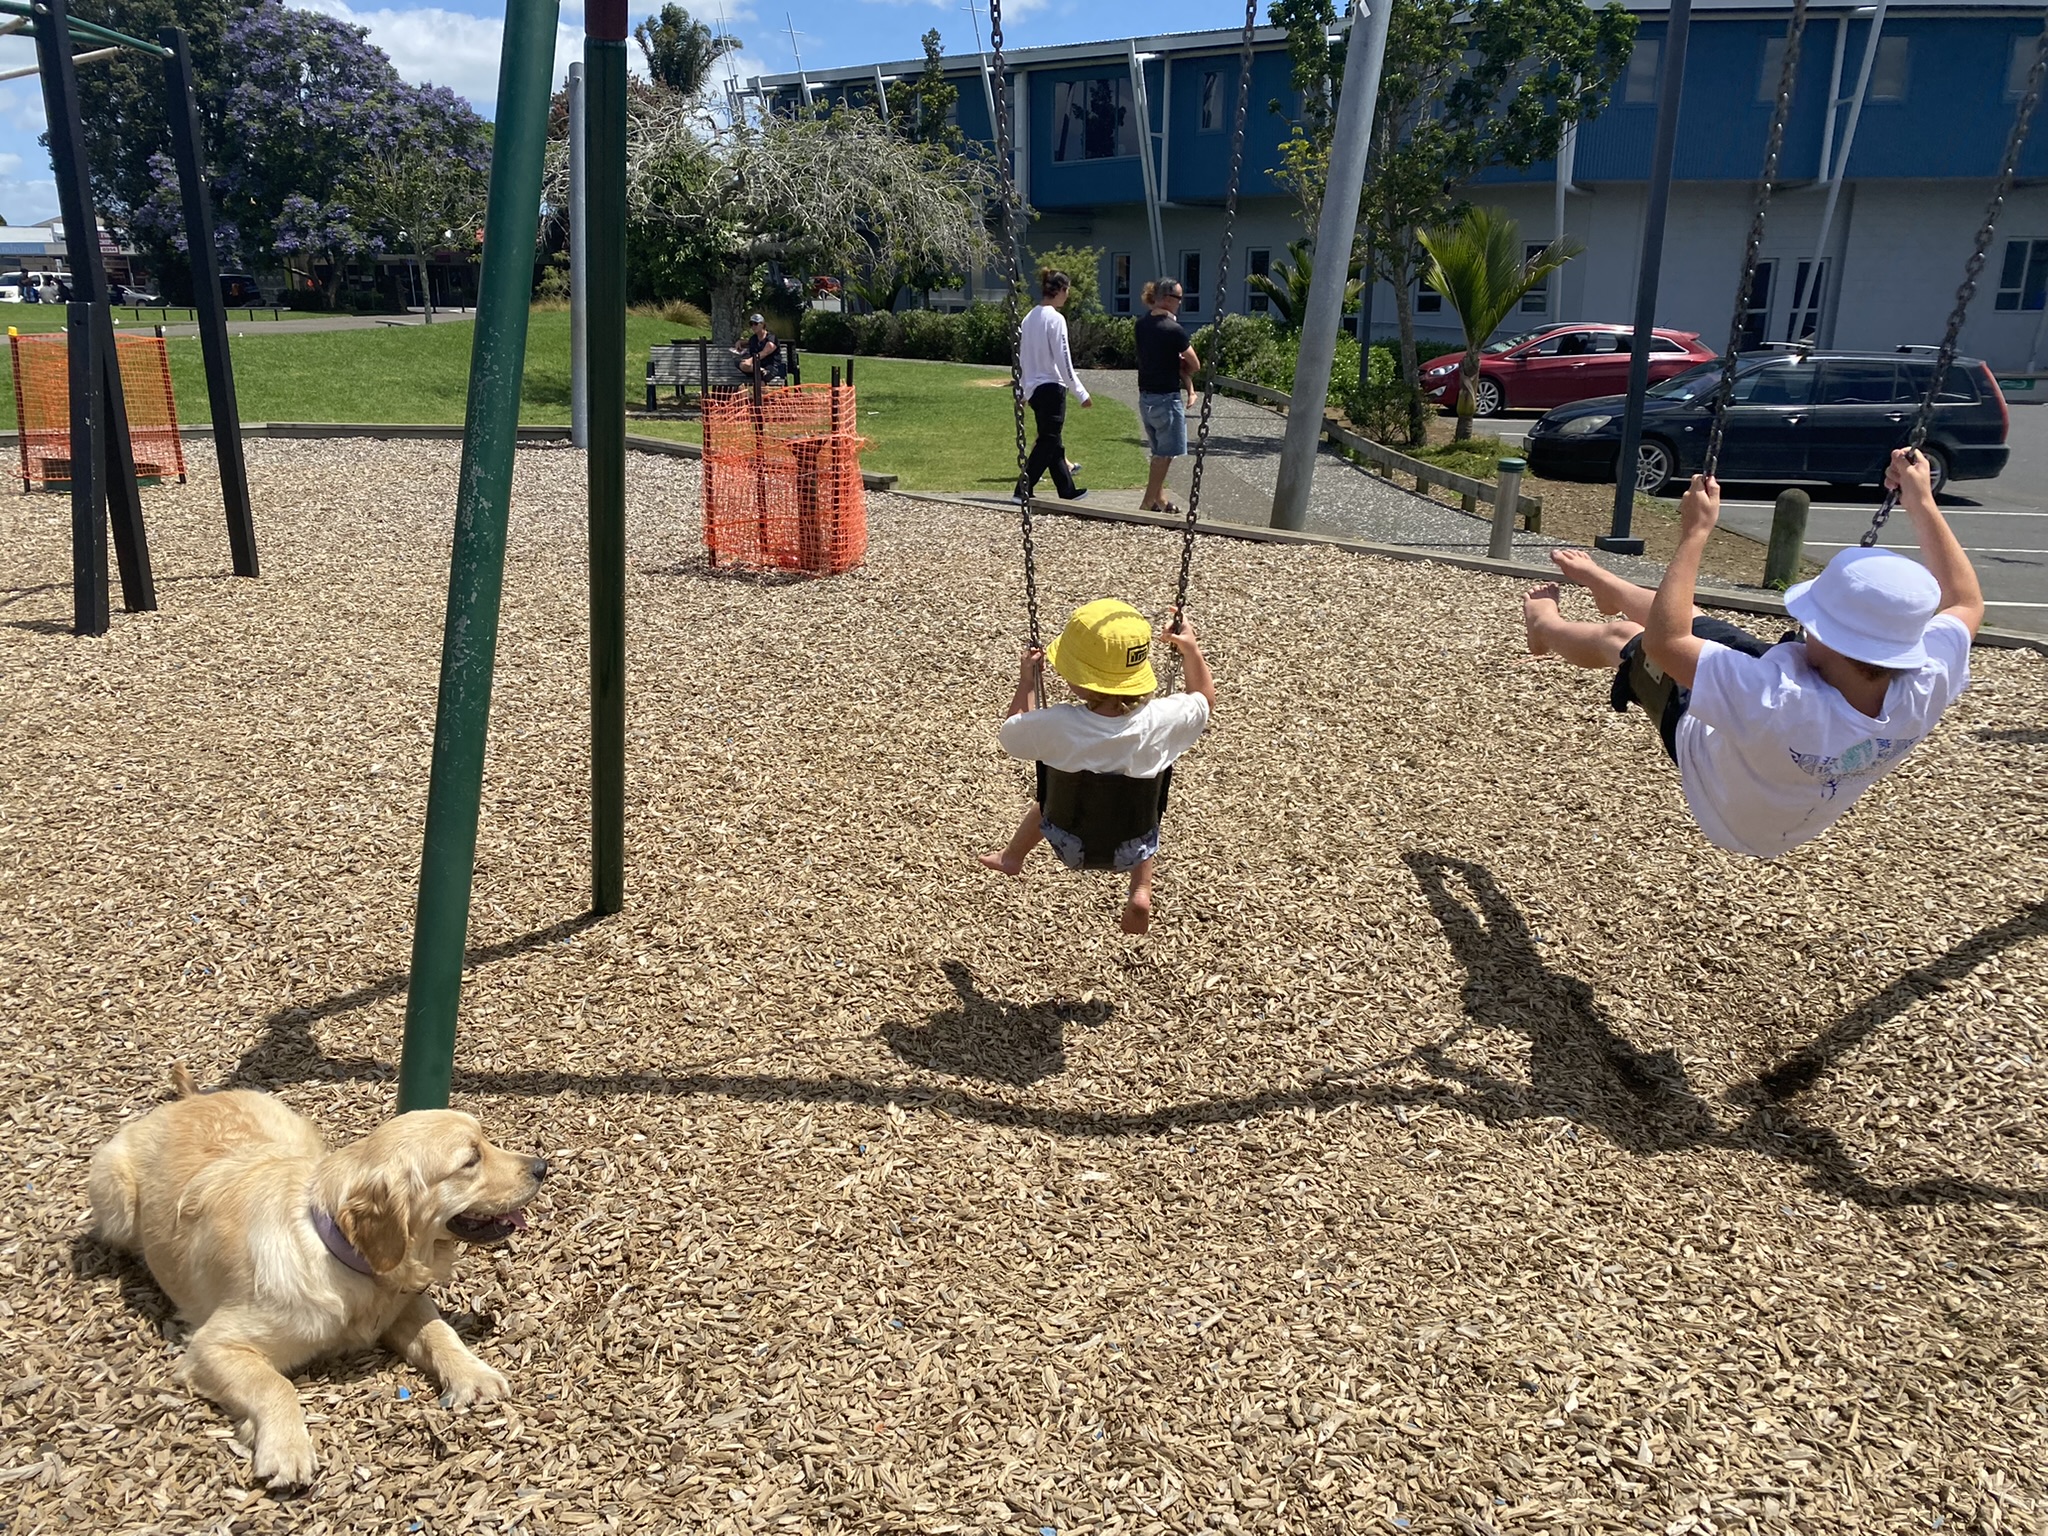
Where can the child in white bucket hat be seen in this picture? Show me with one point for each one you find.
(1775, 742)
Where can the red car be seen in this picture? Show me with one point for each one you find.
(1559, 364)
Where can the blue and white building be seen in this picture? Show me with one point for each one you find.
(1897, 127)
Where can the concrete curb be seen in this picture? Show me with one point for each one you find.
(386, 431)
(1767, 604)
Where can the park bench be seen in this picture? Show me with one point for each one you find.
(683, 366)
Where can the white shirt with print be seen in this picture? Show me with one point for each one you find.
(1139, 745)
(1771, 756)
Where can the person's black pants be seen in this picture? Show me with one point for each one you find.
(1049, 452)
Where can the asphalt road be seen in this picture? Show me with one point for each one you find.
(2003, 523)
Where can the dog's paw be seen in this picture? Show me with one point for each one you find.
(284, 1457)
(471, 1381)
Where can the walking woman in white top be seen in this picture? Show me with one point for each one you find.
(1048, 377)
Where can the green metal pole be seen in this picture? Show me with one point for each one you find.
(476, 574)
(604, 223)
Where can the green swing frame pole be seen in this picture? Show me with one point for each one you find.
(604, 224)
(86, 30)
(476, 573)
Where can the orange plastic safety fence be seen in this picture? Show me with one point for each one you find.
(782, 484)
(42, 407)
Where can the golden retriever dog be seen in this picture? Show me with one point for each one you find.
(279, 1249)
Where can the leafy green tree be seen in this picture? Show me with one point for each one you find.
(1477, 264)
(681, 50)
(1467, 85)
(419, 188)
(1286, 287)
(708, 208)
(925, 109)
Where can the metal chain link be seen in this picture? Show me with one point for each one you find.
(1230, 191)
(1012, 279)
(1788, 76)
(1972, 270)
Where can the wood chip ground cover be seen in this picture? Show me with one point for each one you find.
(1470, 1148)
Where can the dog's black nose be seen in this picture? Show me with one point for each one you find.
(539, 1168)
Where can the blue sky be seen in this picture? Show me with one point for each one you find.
(456, 42)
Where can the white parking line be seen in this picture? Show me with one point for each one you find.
(1948, 512)
(1974, 549)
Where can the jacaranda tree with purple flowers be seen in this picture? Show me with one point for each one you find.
(309, 127)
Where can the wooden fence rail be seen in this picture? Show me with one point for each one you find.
(1474, 492)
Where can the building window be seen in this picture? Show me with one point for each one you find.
(1259, 264)
(1889, 75)
(1756, 318)
(2020, 64)
(1537, 300)
(1771, 70)
(2023, 282)
(1808, 289)
(1212, 101)
(1120, 281)
(1094, 121)
(1427, 300)
(1641, 85)
(1191, 282)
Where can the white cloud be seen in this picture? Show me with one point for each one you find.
(21, 106)
(430, 45)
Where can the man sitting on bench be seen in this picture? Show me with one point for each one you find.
(757, 352)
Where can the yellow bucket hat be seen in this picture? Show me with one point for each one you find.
(1107, 648)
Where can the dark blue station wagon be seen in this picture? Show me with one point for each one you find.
(1794, 416)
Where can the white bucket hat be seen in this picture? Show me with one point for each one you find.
(1870, 605)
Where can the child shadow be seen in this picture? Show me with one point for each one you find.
(1579, 1068)
(996, 1041)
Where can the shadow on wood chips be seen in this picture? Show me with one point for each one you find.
(1579, 1068)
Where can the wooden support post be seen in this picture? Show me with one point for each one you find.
(89, 286)
(88, 488)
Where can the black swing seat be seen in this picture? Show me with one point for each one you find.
(1104, 810)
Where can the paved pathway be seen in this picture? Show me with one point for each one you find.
(1239, 476)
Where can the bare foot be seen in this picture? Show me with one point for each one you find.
(1540, 607)
(1138, 913)
(1001, 863)
(1609, 591)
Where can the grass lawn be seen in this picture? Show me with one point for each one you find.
(938, 426)
(950, 427)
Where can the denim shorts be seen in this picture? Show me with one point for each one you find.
(1074, 853)
(1166, 424)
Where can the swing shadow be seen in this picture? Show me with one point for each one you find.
(985, 1038)
(2020, 736)
(1580, 1069)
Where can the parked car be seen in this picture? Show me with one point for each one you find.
(1834, 417)
(1559, 364)
(240, 288)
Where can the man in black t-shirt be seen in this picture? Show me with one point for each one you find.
(757, 352)
(1166, 370)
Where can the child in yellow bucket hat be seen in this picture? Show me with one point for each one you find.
(1117, 728)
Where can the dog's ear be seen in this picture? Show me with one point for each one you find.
(377, 1218)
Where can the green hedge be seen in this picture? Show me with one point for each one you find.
(979, 334)
(1256, 349)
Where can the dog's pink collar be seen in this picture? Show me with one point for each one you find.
(339, 1245)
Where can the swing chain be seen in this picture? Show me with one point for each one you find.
(1788, 76)
(1973, 269)
(1012, 279)
(1244, 86)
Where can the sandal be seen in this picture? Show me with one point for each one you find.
(1164, 509)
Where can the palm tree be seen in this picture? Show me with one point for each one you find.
(1287, 288)
(681, 50)
(1478, 266)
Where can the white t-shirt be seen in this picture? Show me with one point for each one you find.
(1771, 756)
(1139, 745)
(1043, 356)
